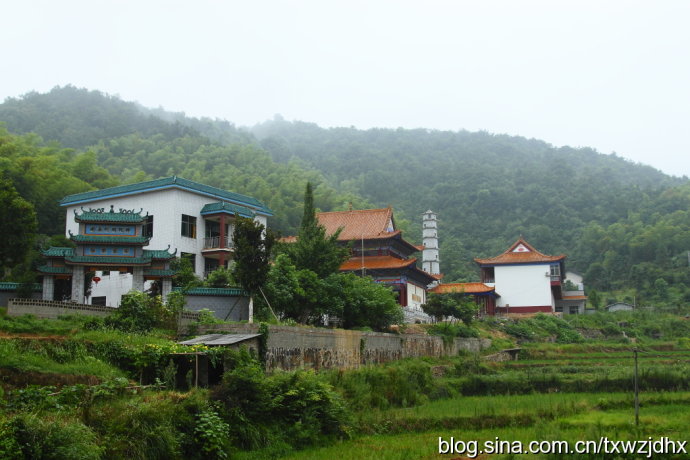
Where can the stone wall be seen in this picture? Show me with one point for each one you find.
(290, 348)
(52, 309)
(5, 297)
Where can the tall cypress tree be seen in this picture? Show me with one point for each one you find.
(314, 250)
(309, 216)
(253, 245)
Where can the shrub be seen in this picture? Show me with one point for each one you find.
(401, 384)
(449, 330)
(140, 428)
(292, 409)
(211, 434)
(54, 439)
(139, 312)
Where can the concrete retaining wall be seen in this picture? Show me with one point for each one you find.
(52, 309)
(290, 348)
(7, 295)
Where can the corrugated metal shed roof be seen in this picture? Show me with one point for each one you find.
(219, 339)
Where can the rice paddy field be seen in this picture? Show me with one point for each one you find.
(577, 392)
(70, 388)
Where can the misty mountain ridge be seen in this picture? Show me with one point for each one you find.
(487, 189)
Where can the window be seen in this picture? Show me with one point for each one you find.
(188, 226)
(147, 228)
(98, 301)
(555, 271)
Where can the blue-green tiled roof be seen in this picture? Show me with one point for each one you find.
(119, 217)
(54, 270)
(14, 286)
(106, 239)
(97, 260)
(166, 182)
(214, 291)
(158, 254)
(222, 206)
(163, 273)
(55, 251)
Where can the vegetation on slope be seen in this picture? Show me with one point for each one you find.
(601, 210)
(135, 144)
(623, 225)
(251, 414)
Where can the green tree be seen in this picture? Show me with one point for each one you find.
(594, 298)
(314, 250)
(253, 247)
(17, 227)
(455, 305)
(185, 277)
(366, 303)
(221, 277)
(300, 295)
(139, 312)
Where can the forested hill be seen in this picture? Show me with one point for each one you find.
(608, 214)
(133, 144)
(623, 225)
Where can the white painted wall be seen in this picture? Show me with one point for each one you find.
(576, 279)
(523, 285)
(167, 207)
(416, 296)
(113, 287)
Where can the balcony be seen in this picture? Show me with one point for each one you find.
(216, 242)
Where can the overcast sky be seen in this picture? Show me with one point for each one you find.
(612, 75)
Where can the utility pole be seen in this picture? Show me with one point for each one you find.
(362, 254)
(637, 393)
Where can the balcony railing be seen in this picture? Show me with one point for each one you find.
(216, 242)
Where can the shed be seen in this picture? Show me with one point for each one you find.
(204, 372)
(620, 306)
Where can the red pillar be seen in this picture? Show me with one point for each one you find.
(221, 256)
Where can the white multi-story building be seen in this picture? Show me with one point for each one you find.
(191, 219)
(526, 280)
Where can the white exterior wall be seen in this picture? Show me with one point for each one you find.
(415, 291)
(166, 206)
(112, 286)
(523, 285)
(576, 279)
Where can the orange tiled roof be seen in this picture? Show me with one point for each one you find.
(468, 288)
(376, 263)
(519, 253)
(288, 239)
(574, 297)
(366, 223)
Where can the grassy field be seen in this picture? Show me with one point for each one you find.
(71, 388)
(414, 432)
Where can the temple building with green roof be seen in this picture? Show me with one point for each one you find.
(119, 233)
